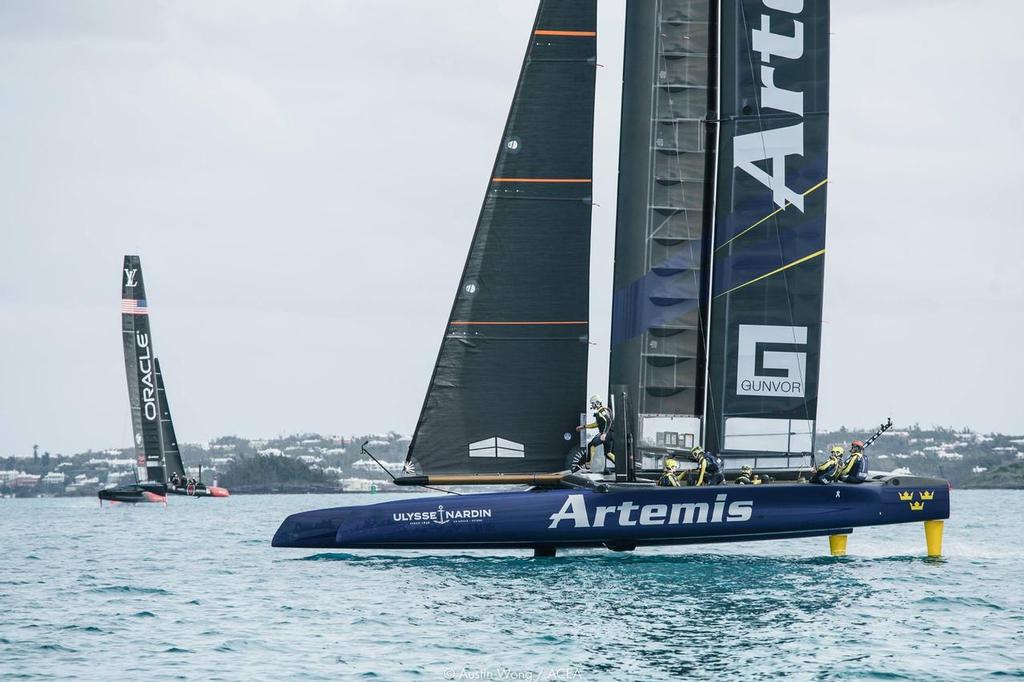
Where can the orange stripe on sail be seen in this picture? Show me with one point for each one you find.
(541, 180)
(576, 34)
(466, 322)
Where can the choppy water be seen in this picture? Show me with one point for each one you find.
(195, 590)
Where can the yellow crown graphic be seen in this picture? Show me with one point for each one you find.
(906, 496)
(927, 495)
(916, 506)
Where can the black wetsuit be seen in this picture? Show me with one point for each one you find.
(605, 425)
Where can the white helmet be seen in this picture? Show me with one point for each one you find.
(595, 401)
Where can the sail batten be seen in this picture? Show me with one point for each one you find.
(513, 359)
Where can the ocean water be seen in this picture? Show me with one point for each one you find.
(194, 590)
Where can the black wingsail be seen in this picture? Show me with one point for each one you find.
(666, 162)
(140, 367)
(510, 377)
(171, 453)
(769, 242)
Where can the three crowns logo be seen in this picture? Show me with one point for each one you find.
(923, 495)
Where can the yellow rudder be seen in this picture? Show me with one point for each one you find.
(837, 544)
(933, 537)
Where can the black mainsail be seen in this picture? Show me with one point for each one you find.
(169, 442)
(140, 367)
(510, 377)
(769, 244)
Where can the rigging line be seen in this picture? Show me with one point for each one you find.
(362, 448)
(771, 215)
(776, 271)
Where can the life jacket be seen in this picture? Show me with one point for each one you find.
(830, 467)
(668, 480)
(712, 464)
(856, 465)
(603, 419)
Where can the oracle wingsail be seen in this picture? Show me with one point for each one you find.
(716, 312)
(160, 470)
(140, 369)
(510, 376)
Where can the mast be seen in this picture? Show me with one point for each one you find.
(140, 369)
(510, 376)
(769, 244)
(171, 453)
(663, 223)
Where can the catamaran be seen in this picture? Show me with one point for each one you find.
(159, 468)
(717, 303)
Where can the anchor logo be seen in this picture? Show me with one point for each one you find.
(441, 520)
(906, 496)
(916, 506)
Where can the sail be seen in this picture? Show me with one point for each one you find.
(171, 453)
(769, 239)
(666, 161)
(141, 372)
(510, 377)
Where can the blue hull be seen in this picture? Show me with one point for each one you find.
(622, 518)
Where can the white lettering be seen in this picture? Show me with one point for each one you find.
(694, 512)
(774, 146)
(716, 515)
(575, 510)
(624, 510)
(769, 44)
(653, 514)
(741, 510)
(754, 152)
(601, 514)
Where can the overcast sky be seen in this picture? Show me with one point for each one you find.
(302, 179)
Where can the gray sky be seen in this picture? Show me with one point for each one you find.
(302, 179)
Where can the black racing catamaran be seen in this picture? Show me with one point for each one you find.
(159, 467)
(718, 278)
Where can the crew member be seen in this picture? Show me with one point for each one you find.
(708, 471)
(605, 424)
(175, 481)
(746, 476)
(828, 471)
(855, 469)
(670, 474)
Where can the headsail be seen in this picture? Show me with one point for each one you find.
(769, 244)
(510, 377)
(141, 372)
(172, 455)
(666, 163)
